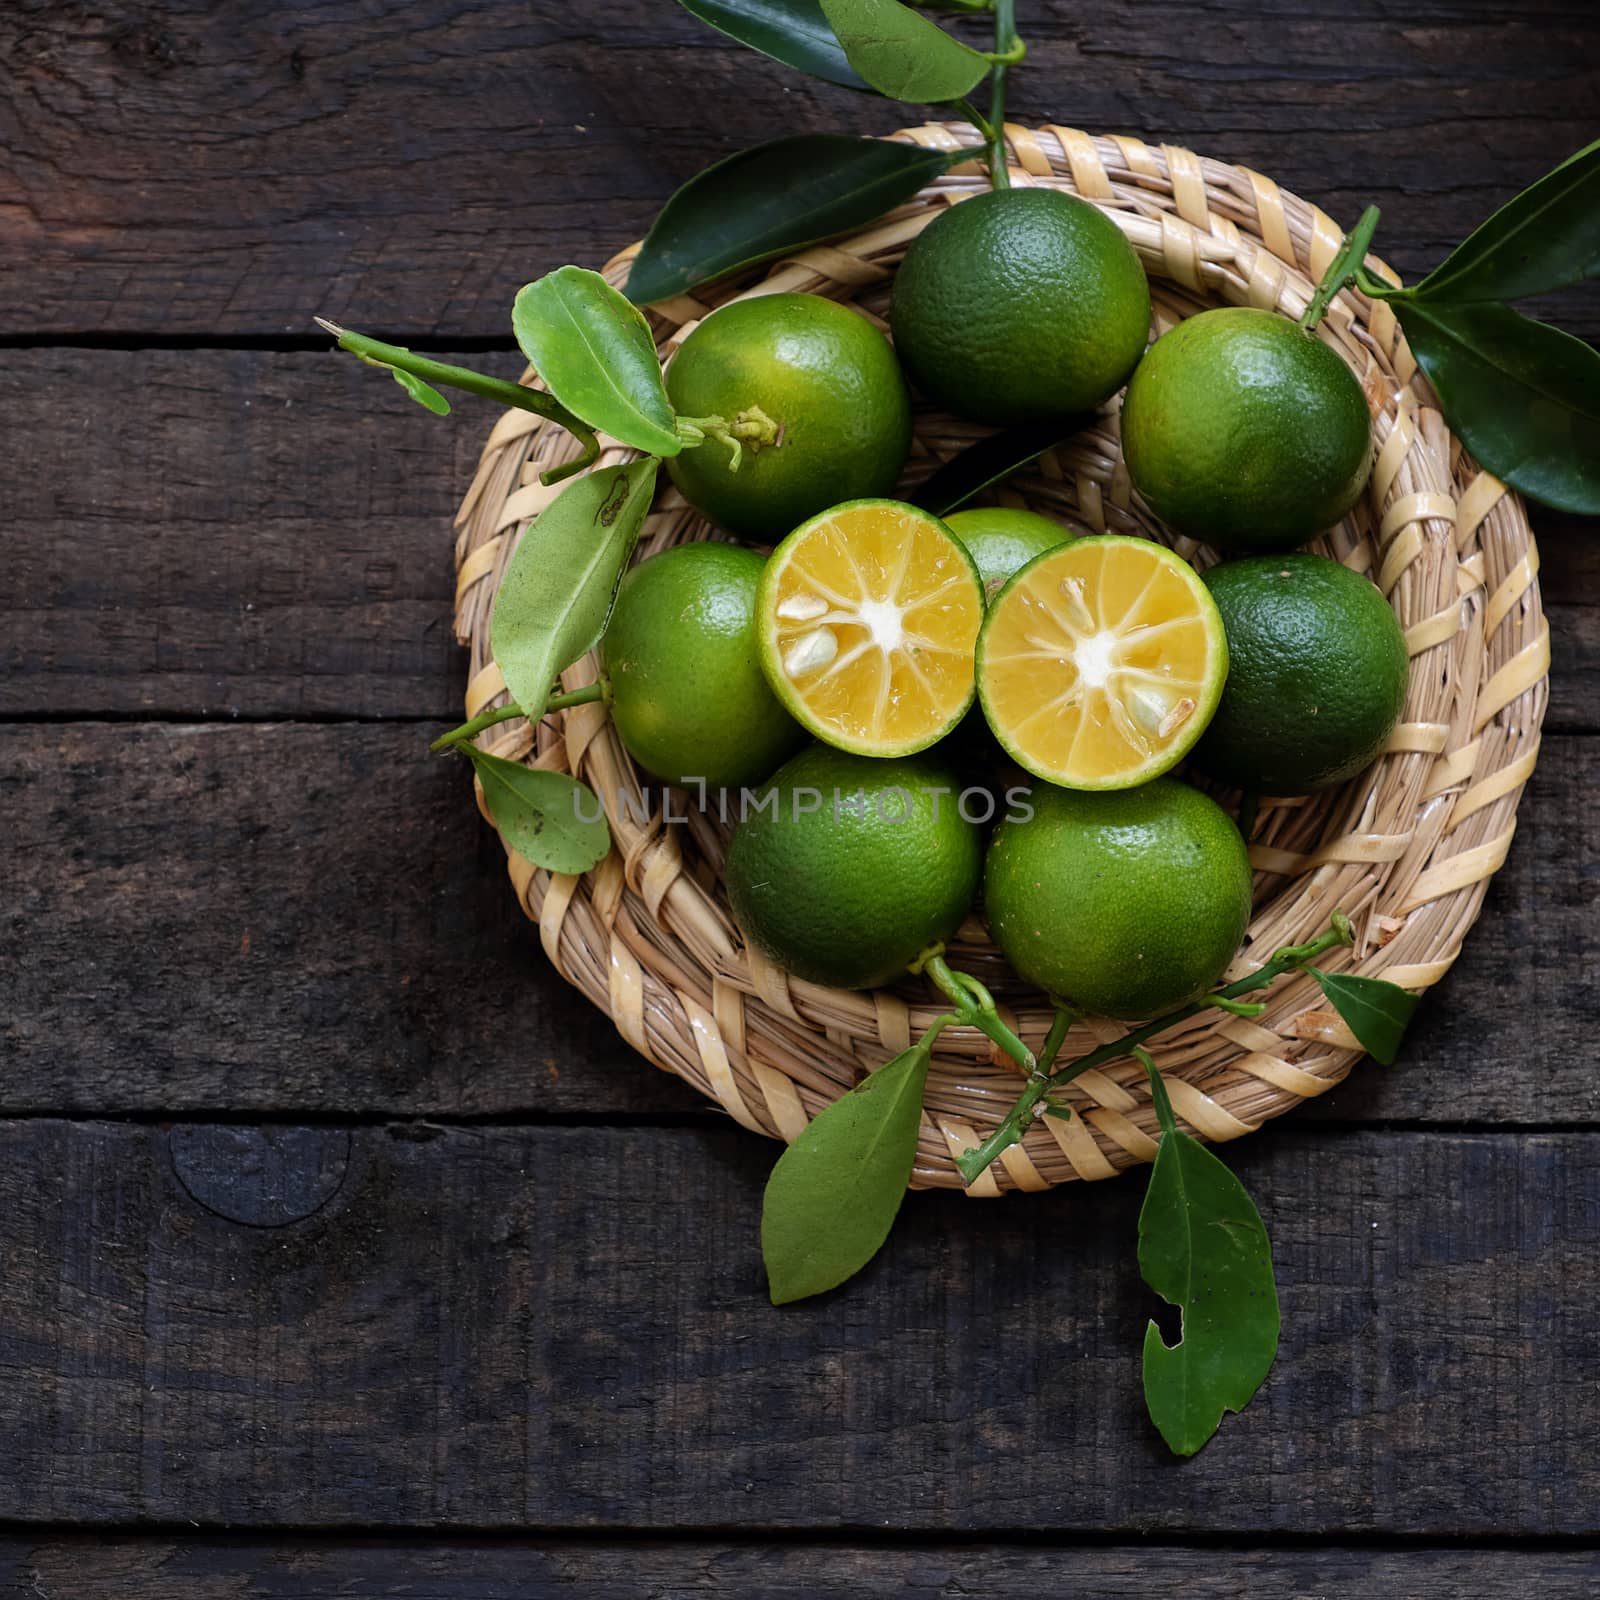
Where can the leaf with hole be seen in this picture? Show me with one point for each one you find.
(1374, 1010)
(794, 32)
(835, 1192)
(1545, 238)
(1204, 1249)
(595, 353)
(902, 54)
(775, 198)
(555, 599)
(1523, 396)
(548, 818)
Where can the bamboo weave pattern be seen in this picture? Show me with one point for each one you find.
(1406, 849)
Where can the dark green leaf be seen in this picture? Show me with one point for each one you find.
(1523, 396)
(901, 53)
(547, 817)
(1548, 236)
(834, 1193)
(988, 461)
(1376, 1012)
(1203, 1248)
(424, 394)
(794, 32)
(553, 603)
(594, 351)
(774, 198)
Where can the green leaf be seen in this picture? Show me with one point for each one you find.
(901, 53)
(1545, 238)
(551, 819)
(1375, 1011)
(555, 598)
(834, 1193)
(988, 461)
(774, 198)
(794, 32)
(594, 351)
(1523, 396)
(424, 394)
(1203, 1248)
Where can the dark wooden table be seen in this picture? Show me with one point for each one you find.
(344, 1250)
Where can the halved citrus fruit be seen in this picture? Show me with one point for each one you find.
(1101, 662)
(868, 617)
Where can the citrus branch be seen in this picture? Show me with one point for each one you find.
(975, 1005)
(1008, 51)
(1289, 958)
(1348, 264)
(468, 731)
(396, 358)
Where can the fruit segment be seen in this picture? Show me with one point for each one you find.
(1101, 663)
(869, 617)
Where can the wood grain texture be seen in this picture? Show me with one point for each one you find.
(477, 1330)
(273, 540)
(278, 917)
(157, 1568)
(288, 918)
(189, 167)
(361, 1314)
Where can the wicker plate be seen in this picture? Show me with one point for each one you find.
(1407, 848)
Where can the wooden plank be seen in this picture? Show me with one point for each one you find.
(204, 169)
(288, 919)
(274, 541)
(279, 916)
(566, 1327)
(156, 1568)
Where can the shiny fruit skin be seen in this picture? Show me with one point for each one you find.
(846, 895)
(1124, 903)
(1244, 432)
(1019, 305)
(1317, 679)
(830, 382)
(688, 696)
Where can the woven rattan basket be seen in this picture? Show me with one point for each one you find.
(1406, 849)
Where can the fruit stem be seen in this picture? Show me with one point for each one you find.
(1008, 48)
(469, 731)
(751, 426)
(1291, 957)
(397, 358)
(976, 1007)
(1011, 1130)
(1346, 264)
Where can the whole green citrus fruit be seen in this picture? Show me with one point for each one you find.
(1317, 677)
(1000, 539)
(1020, 304)
(1245, 432)
(688, 696)
(849, 867)
(1124, 904)
(815, 376)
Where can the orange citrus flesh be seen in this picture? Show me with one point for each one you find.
(869, 615)
(1101, 663)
